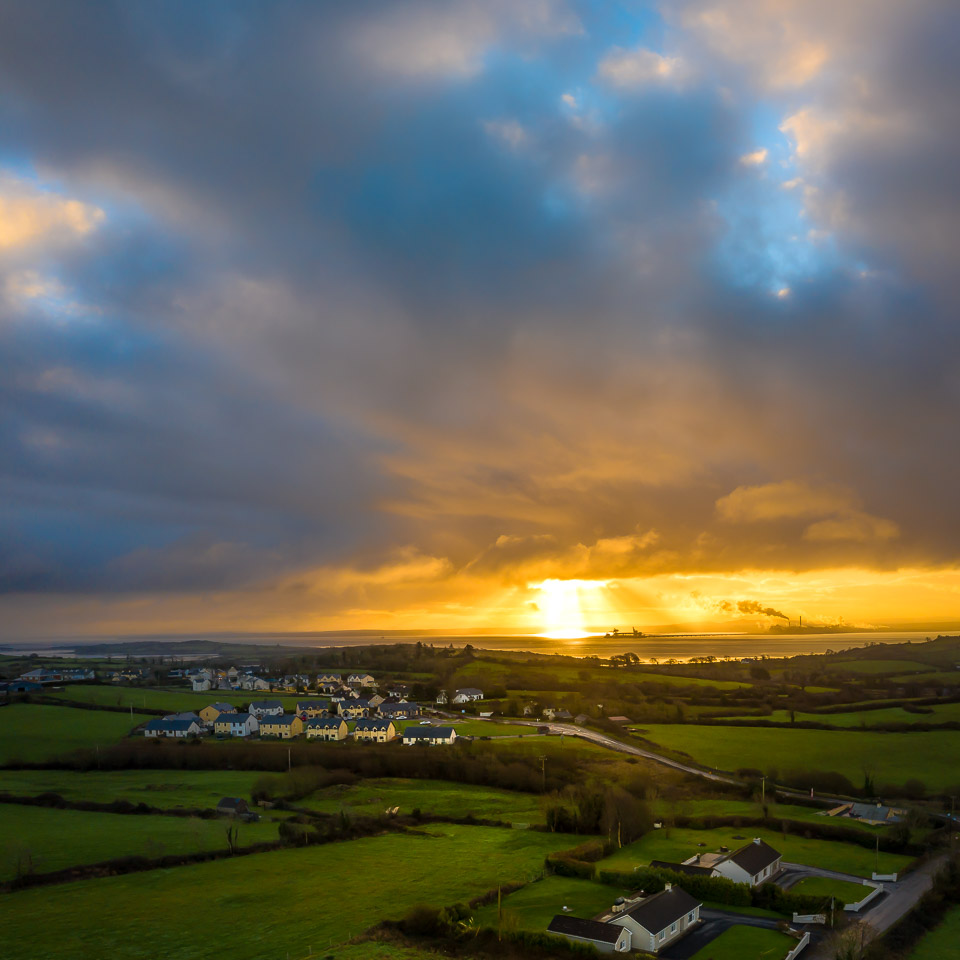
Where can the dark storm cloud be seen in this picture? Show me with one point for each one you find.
(422, 276)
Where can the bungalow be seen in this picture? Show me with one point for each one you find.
(172, 728)
(353, 709)
(308, 709)
(399, 690)
(286, 727)
(236, 724)
(266, 708)
(399, 711)
(189, 716)
(361, 680)
(658, 920)
(374, 730)
(467, 694)
(429, 735)
(42, 676)
(556, 713)
(753, 863)
(210, 712)
(326, 728)
(606, 937)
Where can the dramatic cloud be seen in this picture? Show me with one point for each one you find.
(316, 316)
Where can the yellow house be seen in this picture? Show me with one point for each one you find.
(210, 713)
(285, 727)
(326, 728)
(313, 708)
(374, 730)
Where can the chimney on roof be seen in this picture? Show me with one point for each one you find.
(756, 839)
(667, 887)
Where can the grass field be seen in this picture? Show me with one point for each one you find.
(534, 906)
(682, 843)
(55, 839)
(824, 887)
(889, 757)
(271, 904)
(746, 808)
(430, 796)
(475, 728)
(941, 942)
(940, 713)
(938, 678)
(156, 788)
(741, 943)
(173, 699)
(33, 733)
(874, 667)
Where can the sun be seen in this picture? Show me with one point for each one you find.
(561, 608)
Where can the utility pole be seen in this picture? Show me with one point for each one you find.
(543, 771)
(763, 791)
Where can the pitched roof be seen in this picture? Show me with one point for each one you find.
(689, 868)
(470, 691)
(585, 929)
(267, 704)
(223, 707)
(372, 723)
(428, 733)
(313, 704)
(170, 725)
(754, 856)
(656, 913)
(233, 717)
(319, 723)
(284, 719)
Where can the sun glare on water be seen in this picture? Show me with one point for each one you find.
(561, 607)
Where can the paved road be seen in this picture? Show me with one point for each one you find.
(794, 872)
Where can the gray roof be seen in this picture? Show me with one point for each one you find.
(223, 707)
(188, 716)
(372, 723)
(170, 725)
(267, 704)
(471, 691)
(319, 723)
(754, 856)
(656, 913)
(284, 718)
(232, 717)
(585, 929)
(428, 733)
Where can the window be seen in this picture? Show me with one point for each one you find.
(690, 917)
(673, 927)
(663, 934)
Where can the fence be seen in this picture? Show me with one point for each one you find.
(875, 892)
(809, 918)
(803, 941)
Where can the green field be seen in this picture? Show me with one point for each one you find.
(532, 907)
(156, 788)
(874, 666)
(272, 904)
(34, 733)
(746, 808)
(475, 728)
(940, 713)
(54, 839)
(939, 678)
(682, 843)
(741, 943)
(889, 757)
(842, 891)
(446, 799)
(941, 942)
(172, 699)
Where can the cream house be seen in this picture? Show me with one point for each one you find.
(326, 728)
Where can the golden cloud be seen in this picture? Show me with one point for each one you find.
(28, 215)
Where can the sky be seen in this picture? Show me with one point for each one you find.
(532, 314)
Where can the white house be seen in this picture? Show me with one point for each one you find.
(753, 863)
(172, 728)
(467, 694)
(658, 920)
(429, 735)
(200, 684)
(606, 937)
(266, 708)
(236, 724)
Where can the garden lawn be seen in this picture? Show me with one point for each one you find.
(928, 756)
(747, 808)
(373, 797)
(533, 907)
(34, 733)
(475, 728)
(682, 843)
(941, 942)
(54, 839)
(157, 788)
(272, 904)
(747, 943)
(824, 887)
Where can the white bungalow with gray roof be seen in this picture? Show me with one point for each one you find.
(658, 920)
(754, 863)
(176, 729)
(429, 735)
(467, 694)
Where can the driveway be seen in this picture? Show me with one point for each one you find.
(793, 873)
(713, 923)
